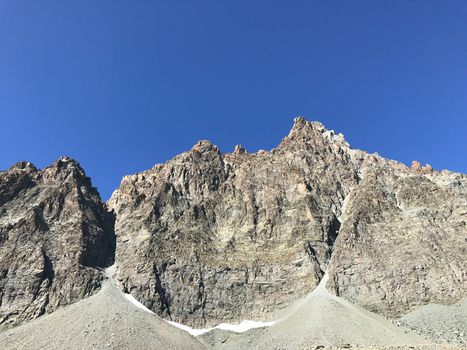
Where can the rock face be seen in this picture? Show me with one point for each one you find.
(402, 241)
(105, 320)
(55, 233)
(210, 237)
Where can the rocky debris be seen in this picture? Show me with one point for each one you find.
(209, 237)
(321, 320)
(105, 320)
(440, 323)
(54, 233)
(402, 243)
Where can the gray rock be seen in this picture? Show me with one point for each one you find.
(55, 233)
(208, 237)
(402, 241)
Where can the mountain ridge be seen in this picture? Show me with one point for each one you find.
(210, 237)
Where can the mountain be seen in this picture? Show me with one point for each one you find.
(402, 241)
(55, 234)
(210, 237)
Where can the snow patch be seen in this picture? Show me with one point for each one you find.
(193, 331)
(135, 302)
(243, 326)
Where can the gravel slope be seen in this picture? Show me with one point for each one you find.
(108, 320)
(321, 319)
(441, 323)
(104, 321)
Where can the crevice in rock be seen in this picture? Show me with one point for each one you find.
(311, 252)
(49, 272)
(160, 290)
(333, 232)
(99, 251)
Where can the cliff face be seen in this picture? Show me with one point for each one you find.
(209, 237)
(54, 235)
(403, 240)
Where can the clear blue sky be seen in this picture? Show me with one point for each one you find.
(122, 85)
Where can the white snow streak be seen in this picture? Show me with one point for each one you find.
(135, 302)
(237, 328)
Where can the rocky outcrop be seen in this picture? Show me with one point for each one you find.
(402, 241)
(55, 234)
(208, 237)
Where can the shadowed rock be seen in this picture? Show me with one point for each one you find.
(55, 233)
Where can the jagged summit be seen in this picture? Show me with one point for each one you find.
(23, 165)
(254, 232)
(207, 238)
(313, 134)
(231, 218)
(62, 163)
(205, 146)
(299, 123)
(302, 130)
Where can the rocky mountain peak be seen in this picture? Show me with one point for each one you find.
(205, 146)
(225, 222)
(301, 126)
(23, 166)
(313, 135)
(230, 237)
(55, 234)
(69, 170)
(67, 164)
(206, 238)
(239, 149)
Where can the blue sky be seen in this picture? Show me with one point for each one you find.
(122, 85)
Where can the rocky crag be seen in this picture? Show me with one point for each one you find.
(210, 237)
(55, 235)
(403, 240)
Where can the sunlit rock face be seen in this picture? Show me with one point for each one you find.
(211, 237)
(55, 233)
(403, 240)
(208, 237)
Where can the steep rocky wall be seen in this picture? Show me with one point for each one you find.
(208, 237)
(54, 234)
(403, 240)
